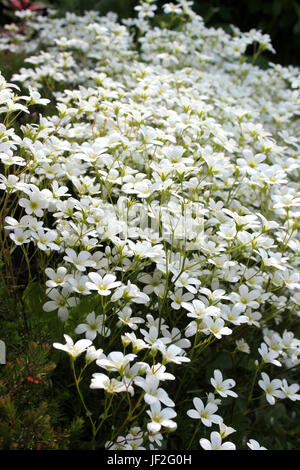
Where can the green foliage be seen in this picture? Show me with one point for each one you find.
(28, 412)
(10, 63)
(124, 8)
(278, 18)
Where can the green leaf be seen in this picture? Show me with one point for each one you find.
(34, 298)
(297, 8)
(296, 28)
(276, 7)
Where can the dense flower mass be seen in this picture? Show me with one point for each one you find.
(162, 193)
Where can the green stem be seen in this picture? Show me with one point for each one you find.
(253, 381)
(194, 435)
(88, 413)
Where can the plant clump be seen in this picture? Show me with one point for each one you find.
(151, 191)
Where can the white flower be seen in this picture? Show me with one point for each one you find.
(205, 413)
(57, 278)
(216, 327)
(152, 391)
(178, 298)
(20, 236)
(233, 315)
(60, 301)
(95, 325)
(242, 346)
(35, 204)
(92, 354)
(159, 371)
(160, 417)
(125, 318)
(184, 280)
(245, 298)
(268, 355)
(132, 292)
(290, 391)
(172, 354)
(115, 361)
(199, 310)
(109, 385)
(254, 445)
(44, 240)
(102, 285)
(152, 337)
(80, 261)
(222, 387)
(72, 349)
(225, 430)
(215, 443)
(272, 388)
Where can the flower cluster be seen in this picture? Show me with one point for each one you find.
(162, 195)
